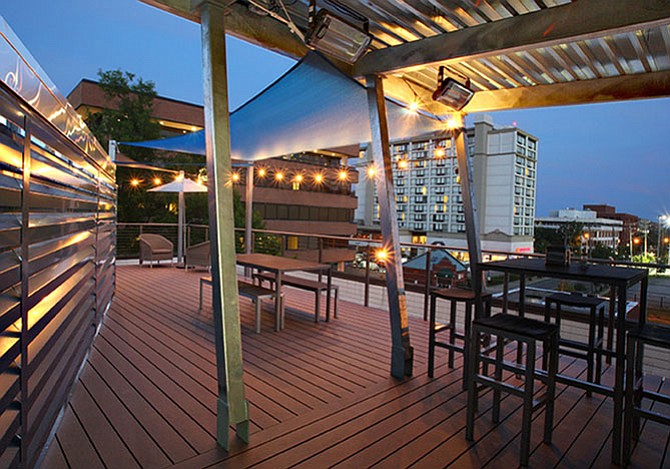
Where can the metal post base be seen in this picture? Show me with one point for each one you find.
(223, 425)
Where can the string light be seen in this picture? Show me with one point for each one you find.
(235, 177)
(157, 181)
(372, 172)
(262, 172)
(343, 175)
(135, 182)
(279, 176)
(318, 178)
(298, 178)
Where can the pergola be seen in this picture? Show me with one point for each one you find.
(515, 54)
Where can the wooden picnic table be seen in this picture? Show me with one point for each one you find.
(281, 265)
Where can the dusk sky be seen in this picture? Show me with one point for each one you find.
(617, 153)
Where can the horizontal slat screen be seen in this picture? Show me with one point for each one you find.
(57, 273)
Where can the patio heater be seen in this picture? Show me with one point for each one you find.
(452, 93)
(335, 36)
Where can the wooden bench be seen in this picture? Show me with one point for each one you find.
(256, 294)
(304, 284)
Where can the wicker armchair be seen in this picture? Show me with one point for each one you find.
(198, 255)
(155, 247)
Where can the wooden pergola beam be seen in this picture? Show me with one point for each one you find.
(567, 23)
(262, 31)
(645, 85)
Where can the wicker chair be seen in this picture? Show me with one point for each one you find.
(198, 255)
(155, 247)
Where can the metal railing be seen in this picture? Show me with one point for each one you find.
(354, 257)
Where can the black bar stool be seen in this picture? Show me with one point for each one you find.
(454, 295)
(523, 330)
(592, 351)
(648, 334)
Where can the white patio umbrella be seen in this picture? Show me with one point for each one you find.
(181, 185)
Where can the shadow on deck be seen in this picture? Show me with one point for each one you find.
(320, 395)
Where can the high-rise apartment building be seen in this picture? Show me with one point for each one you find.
(428, 193)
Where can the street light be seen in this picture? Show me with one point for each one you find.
(663, 222)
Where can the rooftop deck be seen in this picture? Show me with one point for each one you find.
(320, 395)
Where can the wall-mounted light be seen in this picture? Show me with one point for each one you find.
(452, 93)
(336, 36)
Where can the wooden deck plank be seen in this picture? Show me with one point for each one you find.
(168, 438)
(106, 440)
(140, 443)
(75, 444)
(320, 394)
(55, 458)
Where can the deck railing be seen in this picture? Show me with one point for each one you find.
(354, 257)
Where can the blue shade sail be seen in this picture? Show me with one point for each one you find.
(311, 107)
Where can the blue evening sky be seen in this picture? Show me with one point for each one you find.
(606, 153)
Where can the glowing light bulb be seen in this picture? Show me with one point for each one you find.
(343, 175)
(157, 181)
(413, 106)
(453, 123)
(403, 164)
(279, 176)
(439, 153)
(235, 177)
(382, 255)
(298, 178)
(372, 172)
(262, 172)
(318, 178)
(134, 182)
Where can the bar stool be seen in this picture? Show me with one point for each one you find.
(454, 295)
(593, 349)
(648, 334)
(523, 330)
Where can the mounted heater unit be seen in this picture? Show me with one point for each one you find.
(452, 93)
(336, 36)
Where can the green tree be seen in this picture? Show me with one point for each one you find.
(602, 251)
(128, 116)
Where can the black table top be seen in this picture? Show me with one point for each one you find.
(575, 271)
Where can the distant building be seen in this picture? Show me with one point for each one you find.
(445, 269)
(174, 117)
(630, 222)
(596, 230)
(296, 202)
(428, 192)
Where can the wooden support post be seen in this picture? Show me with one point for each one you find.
(401, 350)
(249, 204)
(232, 408)
(469, 208)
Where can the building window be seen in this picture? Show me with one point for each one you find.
(292, 243)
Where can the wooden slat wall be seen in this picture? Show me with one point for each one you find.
(57, 273)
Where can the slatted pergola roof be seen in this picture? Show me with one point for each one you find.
(516, 53)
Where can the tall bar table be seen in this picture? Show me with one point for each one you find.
(620, 280)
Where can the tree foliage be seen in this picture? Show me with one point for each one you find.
(128, 115)
(568, 234)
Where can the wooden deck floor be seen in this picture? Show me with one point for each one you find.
(320, 395)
